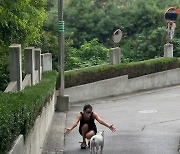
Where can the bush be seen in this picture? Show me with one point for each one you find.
(134, 69)
(18, 111)
(90, 53)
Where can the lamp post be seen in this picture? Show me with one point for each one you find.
(62, 100)
(61, 46)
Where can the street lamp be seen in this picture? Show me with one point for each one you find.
(61, 46)
(62, 100)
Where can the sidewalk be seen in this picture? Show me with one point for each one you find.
(146, 122)
(54, 143)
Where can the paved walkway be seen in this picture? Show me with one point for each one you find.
(54, 143)
(146, 123)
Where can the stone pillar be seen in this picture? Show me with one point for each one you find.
(46, 61)
(115, 56)
(15, 63)
(42, 62)
(168, 50)
(38, 62)
(30, 63)
(62, 104)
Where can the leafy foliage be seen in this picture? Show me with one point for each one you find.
(18, 111)
(21, 22)
(90, 53)
(142, 24)
(133, 69)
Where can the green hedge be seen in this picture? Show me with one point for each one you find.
(18, 111)
(134, 69)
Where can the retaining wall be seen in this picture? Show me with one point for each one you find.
(34, 142)
(122, 85)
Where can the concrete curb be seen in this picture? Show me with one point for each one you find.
(54, 143)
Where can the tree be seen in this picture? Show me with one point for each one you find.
(90, 53)
(146, 36)
(21, 22)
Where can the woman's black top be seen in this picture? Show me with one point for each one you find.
(90, 122)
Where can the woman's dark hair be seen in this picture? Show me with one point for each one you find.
(87, 106)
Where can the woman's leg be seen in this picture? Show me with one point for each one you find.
(84, 128)
(90, 134)
(86, 134)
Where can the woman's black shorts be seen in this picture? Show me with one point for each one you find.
(93, 128)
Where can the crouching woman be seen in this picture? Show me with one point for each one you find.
(87, 127)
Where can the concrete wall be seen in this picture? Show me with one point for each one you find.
(168, 50)
(30, 63)
(12, 87)
(34, 142)
(26, 81)
(122, 85)
(15, 65)
(33, 67)
(115, 56)
(46, 61)
(38, 66)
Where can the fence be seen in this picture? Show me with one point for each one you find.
(35, 64)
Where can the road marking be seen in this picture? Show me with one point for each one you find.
(147, 111)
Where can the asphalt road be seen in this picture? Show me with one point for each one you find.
(146, 123)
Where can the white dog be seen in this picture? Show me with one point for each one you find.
(97, 141)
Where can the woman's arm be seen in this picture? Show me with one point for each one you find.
(103, 122)
(68, 130)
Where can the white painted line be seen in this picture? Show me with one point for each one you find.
(147, 111)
